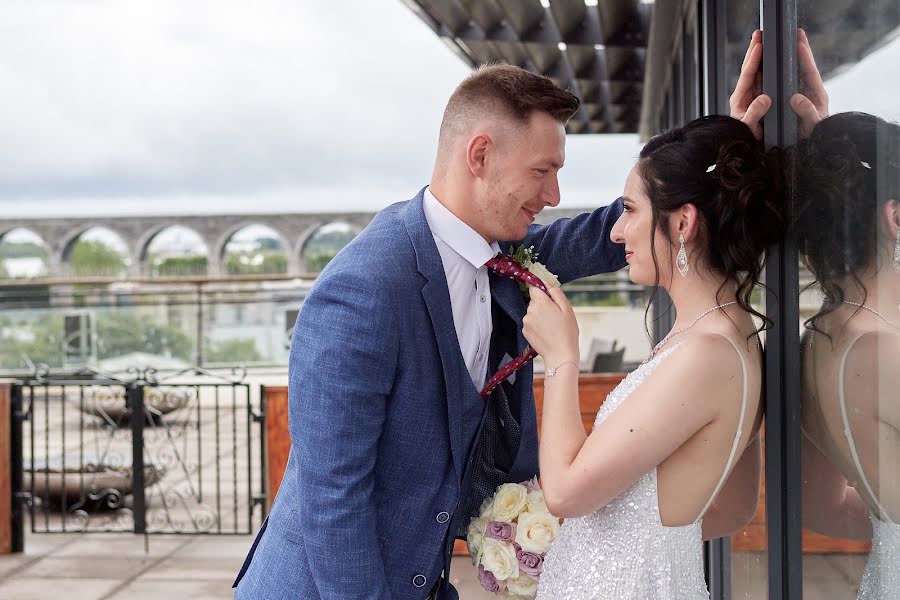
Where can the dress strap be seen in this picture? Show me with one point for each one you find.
(849, 435)
(737, 435)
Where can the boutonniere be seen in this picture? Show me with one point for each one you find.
(528, 259)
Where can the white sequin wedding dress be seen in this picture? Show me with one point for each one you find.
(623, 551)
(881, 579)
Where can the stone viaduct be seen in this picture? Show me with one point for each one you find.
(60, 234)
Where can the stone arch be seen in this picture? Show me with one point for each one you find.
(148, 238)
(229, 234)
(71, 238)
(344, 231)
(26, 264)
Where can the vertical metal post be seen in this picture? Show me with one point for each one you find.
(783, 483)
(198, 357)
(264, 464)
(19, 496)
(717, 563)
(135, 394)
(711, 24)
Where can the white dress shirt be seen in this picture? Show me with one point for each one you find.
(463, 253)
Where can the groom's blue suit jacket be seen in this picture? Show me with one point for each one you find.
(380, 408)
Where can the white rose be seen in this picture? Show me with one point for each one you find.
(534, 502)
(509, 501)
(487, 508)
(544, 274)
(536, 531)
(523, 585)
(475, 538)
(500, 559)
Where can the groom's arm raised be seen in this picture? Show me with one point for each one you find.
(343, 360)
(580, 246)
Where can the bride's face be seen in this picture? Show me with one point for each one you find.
(635, 229)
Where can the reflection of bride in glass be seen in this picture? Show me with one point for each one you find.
(849, 236)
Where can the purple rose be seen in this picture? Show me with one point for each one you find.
(489, 582)
(501, 530)
(530, 563)
(532, 485)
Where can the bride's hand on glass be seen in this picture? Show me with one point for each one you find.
(747, 102)
(811, 103)
(551, 328)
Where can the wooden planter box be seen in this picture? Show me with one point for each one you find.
(593, 389)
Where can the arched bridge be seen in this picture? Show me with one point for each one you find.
(215, 230)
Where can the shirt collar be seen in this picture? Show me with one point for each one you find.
(461, 238)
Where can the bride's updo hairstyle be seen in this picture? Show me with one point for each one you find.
(716, 164)
(847, 170)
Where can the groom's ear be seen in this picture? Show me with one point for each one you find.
(477, 153)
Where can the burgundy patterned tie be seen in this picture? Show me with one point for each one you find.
(506, 266)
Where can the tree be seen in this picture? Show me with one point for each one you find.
(179, 266)
(123, 332)
(90, 258)
(238, 350)
(256, 263)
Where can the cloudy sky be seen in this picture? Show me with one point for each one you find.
(198, 106)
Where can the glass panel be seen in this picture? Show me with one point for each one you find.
(847, 192)
(749, 553)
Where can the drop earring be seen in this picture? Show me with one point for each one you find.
(681, 260)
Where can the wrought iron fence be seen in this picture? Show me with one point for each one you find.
(142, 453)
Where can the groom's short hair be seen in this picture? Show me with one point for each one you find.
(501, 91)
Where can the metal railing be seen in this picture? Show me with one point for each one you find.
(144, 454)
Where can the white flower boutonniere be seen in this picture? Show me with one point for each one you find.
(528, 258)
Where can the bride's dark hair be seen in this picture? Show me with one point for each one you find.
(846, 171)
(716, 164)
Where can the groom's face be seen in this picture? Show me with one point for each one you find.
(523, 178)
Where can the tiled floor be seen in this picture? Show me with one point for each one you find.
(119, 566)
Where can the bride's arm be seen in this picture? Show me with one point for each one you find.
(579, 473)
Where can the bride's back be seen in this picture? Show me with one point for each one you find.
(688, 478)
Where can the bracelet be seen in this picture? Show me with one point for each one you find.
(552, 370)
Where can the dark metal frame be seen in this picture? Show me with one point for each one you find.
(139, 418)
(783, 476)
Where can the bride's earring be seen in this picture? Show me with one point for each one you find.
(896, 263)
(681, 261)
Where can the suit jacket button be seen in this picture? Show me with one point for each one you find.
(443, 517)
(419, 581)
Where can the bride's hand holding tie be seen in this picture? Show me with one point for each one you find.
(551, 329)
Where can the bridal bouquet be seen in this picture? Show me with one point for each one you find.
(509, 539)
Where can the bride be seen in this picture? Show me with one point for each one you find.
(674, 454)
(849, 236)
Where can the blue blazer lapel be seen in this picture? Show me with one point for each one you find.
(436, 295)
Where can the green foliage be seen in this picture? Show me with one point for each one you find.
(322, 247)
(596, 299)
(238, 350)
(95, 259)
(118, 332)
(39, 341)
(123, 331)
(21, 250)
(179, 266)
(255, 263)
(316, 261)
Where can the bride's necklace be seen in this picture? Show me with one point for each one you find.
(671, 334)
(874, 312)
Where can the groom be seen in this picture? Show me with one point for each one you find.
(394, 343)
